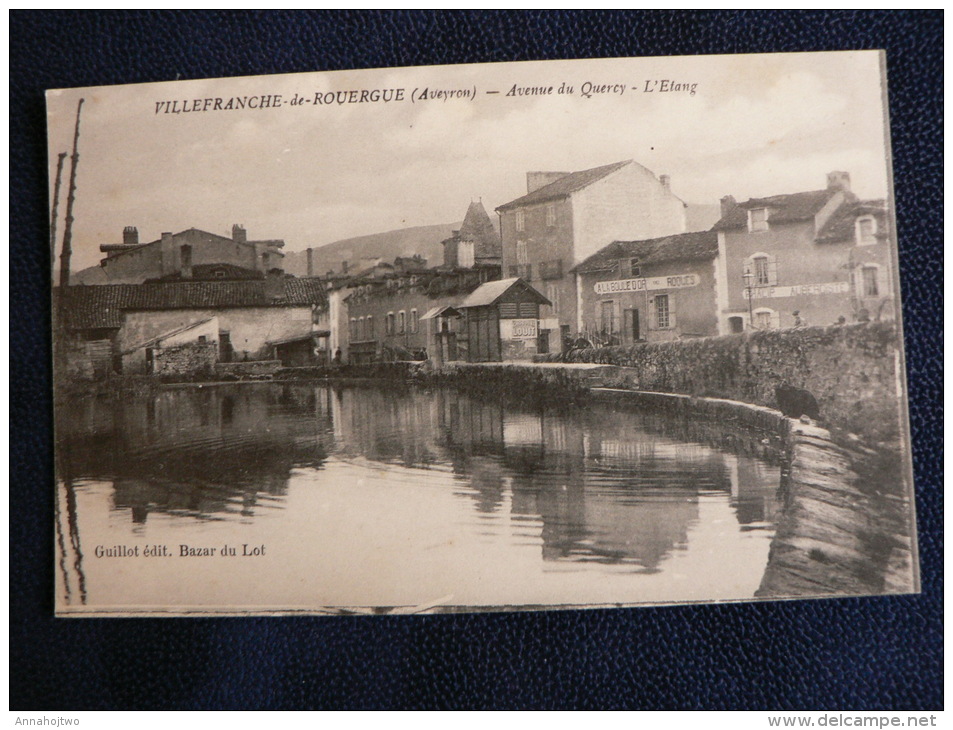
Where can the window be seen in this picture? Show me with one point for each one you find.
(522, 253)
(870, 281)
(186, 252)
(551, 215)
(760, 269)
(401, 322)
(389, 324)
(414, 322)
(663, 315)
(370, 326)
(362, 328)
(466, 256)
(202, 339)
(758, 219)
(635, 268)
(353, 329)
(520, 220)
(552, 294)
(219, 274)
(766, 319)
(866, 230)
(551, 269)
(607, 317)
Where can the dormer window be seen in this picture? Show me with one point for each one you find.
(635, 268)
(865, 229)
(757, 220)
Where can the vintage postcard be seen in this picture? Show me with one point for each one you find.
(490, 337)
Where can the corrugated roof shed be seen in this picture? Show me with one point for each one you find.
(565, 185)
(489, 293)
(95, 307)
(681, 247)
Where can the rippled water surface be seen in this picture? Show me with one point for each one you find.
(366, 496)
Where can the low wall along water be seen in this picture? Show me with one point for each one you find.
(852, 371)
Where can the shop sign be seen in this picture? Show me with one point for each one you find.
(622, 286)
(519, 329)
(798, 290)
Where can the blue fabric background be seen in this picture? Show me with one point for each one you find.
(872, 653)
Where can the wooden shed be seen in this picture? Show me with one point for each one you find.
(502, 321)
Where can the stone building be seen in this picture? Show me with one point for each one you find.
(244, 319)
(812, 258)
(385, 317)
(180, 255)
(566, 217)
(477, 241)
(380, 313)
(659, 289)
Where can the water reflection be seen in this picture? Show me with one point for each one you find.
(581, 487)
(205, 452)
(608, 486)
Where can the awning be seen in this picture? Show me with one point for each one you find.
(445, 311)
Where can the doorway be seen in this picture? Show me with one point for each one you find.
(630, 324)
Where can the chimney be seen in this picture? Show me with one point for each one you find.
(130, 235)
(310, 262)
(274, 286)
(838, 180)
(238, 234)
(168, 263)
(666, 181)
(186, 257)
(727, 203)
(537, 180)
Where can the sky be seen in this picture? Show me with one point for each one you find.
(313, 173)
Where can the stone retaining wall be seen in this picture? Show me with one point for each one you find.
(193, 358)
(852, 371)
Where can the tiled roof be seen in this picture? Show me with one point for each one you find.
(206, 272)
(681, 247)
(94, 307)
(781, 209)
(565, 185)
(488, 293)
(840, 226)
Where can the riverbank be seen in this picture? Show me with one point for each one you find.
(847, 525)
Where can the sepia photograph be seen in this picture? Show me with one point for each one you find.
(494, 337)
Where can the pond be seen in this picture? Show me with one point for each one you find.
(295, 497)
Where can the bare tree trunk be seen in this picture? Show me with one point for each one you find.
(71, 197)
(53, 215)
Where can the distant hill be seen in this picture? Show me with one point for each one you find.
(423, 240)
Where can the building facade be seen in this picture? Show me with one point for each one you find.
(813, 258)
(385, 318)
(176, 255)
(648, 291)
(566, 217)
(244, 319)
